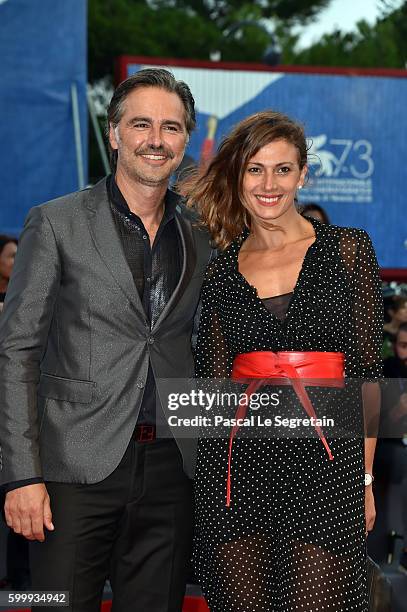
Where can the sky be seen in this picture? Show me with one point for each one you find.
(342, 14)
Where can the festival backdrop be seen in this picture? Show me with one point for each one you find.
(43, 75)
(356, 126)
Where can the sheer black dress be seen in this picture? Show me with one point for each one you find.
(294, 536)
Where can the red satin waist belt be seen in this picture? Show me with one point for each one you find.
(299, 369)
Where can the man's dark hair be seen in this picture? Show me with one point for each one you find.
(149, 77)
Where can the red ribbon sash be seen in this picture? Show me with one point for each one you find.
(299, 369)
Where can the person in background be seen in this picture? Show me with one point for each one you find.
(315, 212)
(8, 250)
(391, 457)
(18, 573)
(397, 311)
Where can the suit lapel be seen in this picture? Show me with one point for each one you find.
(184, 228)
(107, 243)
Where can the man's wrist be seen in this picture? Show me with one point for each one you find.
(17, 484)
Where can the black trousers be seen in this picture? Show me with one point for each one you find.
(134, 527)
(18, 571)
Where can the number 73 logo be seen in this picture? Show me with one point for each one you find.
(341, 155)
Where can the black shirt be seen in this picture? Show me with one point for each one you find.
(156, 270)
(278, 304)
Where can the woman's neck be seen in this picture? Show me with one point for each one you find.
(279, 234)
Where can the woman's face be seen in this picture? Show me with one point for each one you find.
(7, 256)
(271, 180)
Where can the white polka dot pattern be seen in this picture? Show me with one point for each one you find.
(293, 538)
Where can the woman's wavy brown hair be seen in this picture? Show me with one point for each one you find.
(217, 191)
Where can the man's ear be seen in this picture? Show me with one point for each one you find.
(113, 136)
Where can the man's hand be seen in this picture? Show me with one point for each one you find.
(28, 510)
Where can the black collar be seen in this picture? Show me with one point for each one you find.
(118, 201)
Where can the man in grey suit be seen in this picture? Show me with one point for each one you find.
(101, 304)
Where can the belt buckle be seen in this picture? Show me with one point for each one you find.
(145, 433)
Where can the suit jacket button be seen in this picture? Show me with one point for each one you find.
(140, 384)
(151, 340)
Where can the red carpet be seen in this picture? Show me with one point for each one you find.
(195, 604)
(191, 604)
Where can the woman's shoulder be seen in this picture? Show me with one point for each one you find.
(226, 259)
(220, 265)
(348, 237)
(350, 243)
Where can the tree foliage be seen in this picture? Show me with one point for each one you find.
(224, 13)
(383, 45)
(187, 29)
(238, 31)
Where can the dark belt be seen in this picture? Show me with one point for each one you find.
(144, 433)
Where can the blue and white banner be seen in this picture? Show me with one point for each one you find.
(356, 126)
(43, 74)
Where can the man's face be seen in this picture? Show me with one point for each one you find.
(151, 136)
(401, 346)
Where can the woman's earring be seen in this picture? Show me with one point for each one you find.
(299, 186)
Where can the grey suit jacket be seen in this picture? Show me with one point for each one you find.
(75, 343)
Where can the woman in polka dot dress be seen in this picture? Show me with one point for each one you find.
(292, 535)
